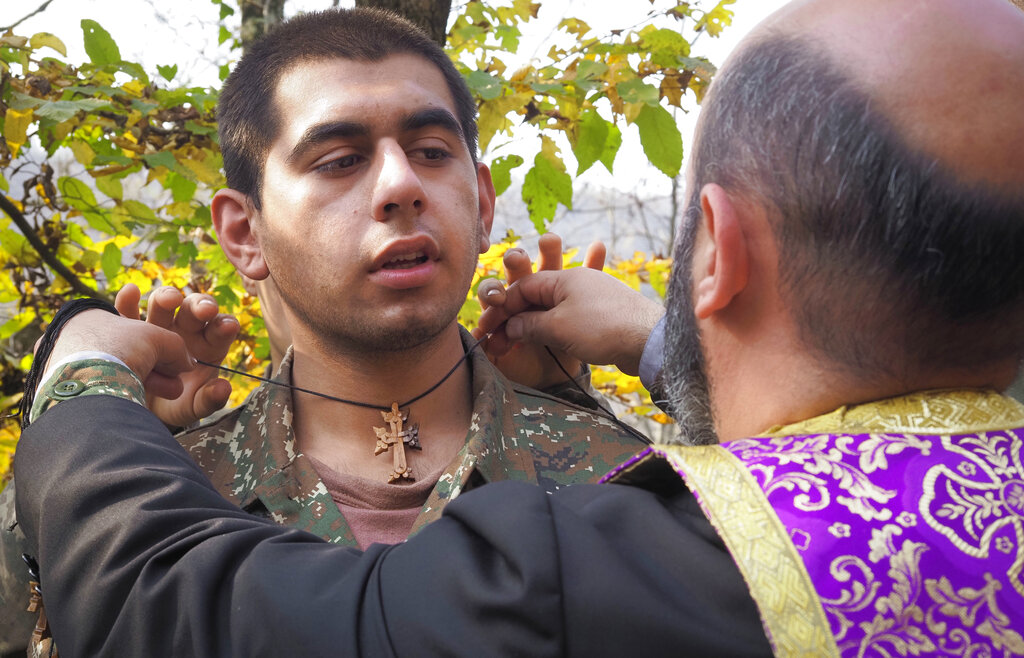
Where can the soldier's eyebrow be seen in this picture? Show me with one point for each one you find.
(439, 117)
(324, 132)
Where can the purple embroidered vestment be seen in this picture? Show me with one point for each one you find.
(888, 529)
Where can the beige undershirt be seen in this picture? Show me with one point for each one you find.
(376, 511)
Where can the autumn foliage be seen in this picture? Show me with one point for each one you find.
(106, 169)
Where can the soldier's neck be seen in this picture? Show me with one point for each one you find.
(342, 435)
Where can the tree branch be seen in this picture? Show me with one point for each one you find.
(41, 8)
(48, 256)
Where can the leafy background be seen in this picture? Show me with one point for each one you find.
(107, 169)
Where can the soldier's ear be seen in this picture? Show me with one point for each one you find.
(235, 219)
(485, 194)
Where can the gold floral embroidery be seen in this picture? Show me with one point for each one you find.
(821, 456)
(901, 627)
(888, 598)
(970, 511)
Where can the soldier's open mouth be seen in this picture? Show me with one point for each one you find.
(406, 262)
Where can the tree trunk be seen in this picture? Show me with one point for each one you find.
(258, 16)
(431, 15)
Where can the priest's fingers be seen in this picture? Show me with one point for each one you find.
(595, 256)
(143, 347)
(211, 397)
(517, 264)
(127, 301)
(490, 292)
(549, 248)
(163, 302)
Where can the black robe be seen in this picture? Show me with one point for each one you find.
(139, 555)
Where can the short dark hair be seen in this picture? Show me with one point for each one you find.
(248, 121)
(889, 261)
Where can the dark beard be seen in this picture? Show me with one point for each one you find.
(683, 368)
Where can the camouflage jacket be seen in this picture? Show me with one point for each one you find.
(516, 433)
(249, 453)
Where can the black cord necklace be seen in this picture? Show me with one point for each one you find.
(396, 435)
(355, 403)
(399, 436)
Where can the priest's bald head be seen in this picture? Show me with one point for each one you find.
(856, 221)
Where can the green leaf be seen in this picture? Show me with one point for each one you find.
(590, 141)
(4, 185)
(140, 212)
(484, 85)
(111, 261)
(223, 72)
(509, 37)
(501, 172)
(547, 87)
(134, 70)
(589, 72)
(611, 146)
(105, 221)
(637, 91)
(161, 159)
(110, 186)
(99, 45)
(224, 35)
(225, 9)
(76, 194)
(544, 187)
(63, 110)
(181, 188)
(660, 138)
(665, 44)
(22, 102)
(200, 129)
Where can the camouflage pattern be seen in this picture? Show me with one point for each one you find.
(250, 455)
(516, 433)
(87, 377)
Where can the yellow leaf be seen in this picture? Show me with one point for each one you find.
(492, 118)
(491, 259)
(64, 128)
(202, 171)
(16, 128)
(45, 39)
(550, 151)
(672, 90)
(632, 110)
(574, 26)
(83, 152)
(134, 87)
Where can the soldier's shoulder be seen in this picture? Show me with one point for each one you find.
(215, 430)
(530, 403)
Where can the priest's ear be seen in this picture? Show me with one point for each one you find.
(233, 218)
(721, 262)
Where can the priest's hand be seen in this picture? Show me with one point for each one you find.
(528, 362)
(158, 356)
(581, 312)
(207, 335)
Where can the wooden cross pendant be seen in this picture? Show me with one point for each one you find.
(396, 437)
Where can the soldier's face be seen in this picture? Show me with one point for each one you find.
(373, 211)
